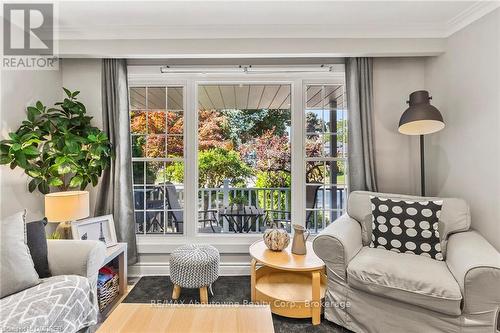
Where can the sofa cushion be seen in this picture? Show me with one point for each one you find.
(406, 226)
(37, 244)
(408, 278)
(64, 303)
(17, 269)
(455, 214)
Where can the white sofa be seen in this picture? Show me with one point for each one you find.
(376, 290)
(65, 302)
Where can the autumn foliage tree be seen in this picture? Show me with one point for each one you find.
(212, 130)
(230, 144)
(268, 152)
(161, 137)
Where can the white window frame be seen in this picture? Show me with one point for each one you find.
(157, 159)
(228, 243)
(307, 83)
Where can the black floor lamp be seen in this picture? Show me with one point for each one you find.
(421, 118)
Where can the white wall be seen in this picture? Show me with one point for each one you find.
(396, 155)
(19, 90)
(23, 88)
(464, 158)
(84, 75)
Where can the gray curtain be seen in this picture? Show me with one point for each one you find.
(115, 193)
(359, 85)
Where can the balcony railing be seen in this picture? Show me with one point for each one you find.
(273, 203)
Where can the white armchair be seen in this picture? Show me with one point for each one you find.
(375, 290)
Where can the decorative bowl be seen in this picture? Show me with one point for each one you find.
(276, 239)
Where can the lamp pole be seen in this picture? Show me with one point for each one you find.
(422, 165)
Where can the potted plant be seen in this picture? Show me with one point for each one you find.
(58, 147)
(240, 201)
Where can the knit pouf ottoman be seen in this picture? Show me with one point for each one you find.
(194, 266)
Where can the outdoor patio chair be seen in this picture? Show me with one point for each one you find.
(311, 199)
(176, 213)
(283, 217)
(154, 224)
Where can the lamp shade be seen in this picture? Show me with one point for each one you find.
(421, 117)
(66, 206)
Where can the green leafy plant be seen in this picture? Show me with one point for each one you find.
(238, 200)
(214, 166)
(58, 147)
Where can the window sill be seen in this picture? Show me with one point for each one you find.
(228, 243)
(167, 243)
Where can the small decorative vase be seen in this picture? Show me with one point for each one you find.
(276, 239)
(299, 240)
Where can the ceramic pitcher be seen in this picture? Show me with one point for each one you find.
(299, 240)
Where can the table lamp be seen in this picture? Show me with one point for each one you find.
(419, 119)
(64, 207)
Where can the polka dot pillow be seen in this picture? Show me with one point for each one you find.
(406, 226)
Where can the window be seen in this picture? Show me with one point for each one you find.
(218, 157)
(157, 135)
(244, 157)
(325, 154)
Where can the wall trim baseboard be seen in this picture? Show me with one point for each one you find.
(148, 269)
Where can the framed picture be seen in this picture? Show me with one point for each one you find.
(100, 228)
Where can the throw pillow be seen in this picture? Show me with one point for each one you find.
(37, 244)
(406, 226)
(18, 272)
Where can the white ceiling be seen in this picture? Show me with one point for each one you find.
(236, 96)
(266, 19)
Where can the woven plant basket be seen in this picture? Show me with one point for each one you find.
(107, 292)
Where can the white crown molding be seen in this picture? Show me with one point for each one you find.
(120, 32)
(469, 15)
(78, 33)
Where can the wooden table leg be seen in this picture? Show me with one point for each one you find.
(203, 295)
(122, 273)
(253, 266)
(176, 292)
(316, 298)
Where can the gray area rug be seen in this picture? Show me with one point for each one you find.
(227, 289)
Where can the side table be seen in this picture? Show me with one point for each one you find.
(294, 285)
(113, 252)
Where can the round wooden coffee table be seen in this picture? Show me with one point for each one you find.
(293, 285)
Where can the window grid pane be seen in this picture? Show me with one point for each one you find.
(158, 200)
(326, 156)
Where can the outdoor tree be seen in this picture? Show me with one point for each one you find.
(212, 130)
(317, 142)
(161, 137)
(214, 166)
(314, 169)
(245, 125)
(270, 155)
(217, 164)
(268, 152)
(313, 123)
